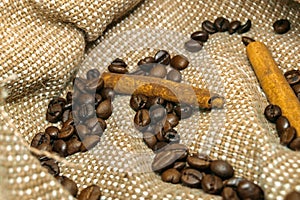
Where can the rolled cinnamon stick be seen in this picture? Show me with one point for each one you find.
(273, 82)
(169, 90)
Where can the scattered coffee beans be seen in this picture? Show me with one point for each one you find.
(282, 26)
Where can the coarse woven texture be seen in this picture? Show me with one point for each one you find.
(120, 163)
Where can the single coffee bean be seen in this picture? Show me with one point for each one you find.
(157, 113)
(172, 119)
(149, 139)
(212, 184)
(104, 109)
(221, 24)
(295, 144)
(138, 101)
(282, 123)
(183, 111)
(119, 69)
(152, 101)
(171, 176)
(288, 135)
(245, 27)
(193, 46)
(159, 71)
(73, 146)
(222, 169)
(169, 107)
(233, 182)
(142, 119)
(172, 136)
(89, 142)
(167, 126)
(68, 184)
(247, 40)
(282, 26)
(229, 194)
(179, 62)
(96, 126)
(249, 190)
(159, 145)
(92, 74)
(160, 133)
(201, 36)
(272, 112)
(39, 139)
(179, 165)
(209, 27)
(66, 132)
(119, 61)
(294, 195)
(146, 64)
(54, 113)
(92, 192)
(296, 88)
(177, 147)
(51, 165)
(234, 26)
(86, 111)
(94, 85)
(191, 177)
(82, 130)
(174, 75)
(60, 147)
(292, 76)
(108, 93)
(162, 57)
(198, 163)
(58, 100)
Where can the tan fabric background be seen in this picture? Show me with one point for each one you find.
(43, 51)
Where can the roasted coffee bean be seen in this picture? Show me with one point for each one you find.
(169, 107)
(292, 76)
(222, 169)
(245, 27)
(39, 139)
(201, 36)
(159, 71)
(73, 146)
(272, 112)
(152, 101)
(66, 115)
(209, 27)
(104, 109)
(296, 89)
(282, 26)
(179, 165)
(138, 101)
(166, 126)
(89, 142)
(54, 113)
(191, 177)
(94, 85)
(60, 147)
(193, 45)
(233, 182)
(157, 113)
(96, 126)
(58, 100)
(171, 176)
(51, 165)
(82, 130)
(282, 123)
(119, 61)
(69, 122)
(149, 139)
(142, 119)
(295, 144)
(177, 147)
(159, 132)
(86, 111)
(183, 111)
(229, 194)
(119, 69)
(288, 135)
(66, 132)
(108, 93)
(92, 74)
(247, 40)
(174, 75)
(159, 145)
(294, 195)
(234, 26)
(198, 163)
(221, 24)
(179, 62)
(162, 57)
(172, 119)
(146, 64)
(68, 184)
(172, 136)
(212, 184)
(92, 192)
(249, 190)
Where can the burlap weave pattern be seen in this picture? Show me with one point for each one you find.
(118, 164)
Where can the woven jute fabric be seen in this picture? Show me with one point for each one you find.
(120, 163)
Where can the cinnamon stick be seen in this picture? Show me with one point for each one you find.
(169, 90)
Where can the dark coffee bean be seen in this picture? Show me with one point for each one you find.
(169, 107)
(51, 165)
(149, 139)
(212, 184)
(179, 62)
(159, 145)
(58, 100)
(119, 69)
(159, 71)
(172, 136)
(172, 119)
(201, 36)
(60, 147)
(198, 163)
(229, 194)
(292, 76)
(73, 146)
(166, 126)
(295, 144)
(174, 75)
(146, 64)
(82, 130)
(247, 40)
(191, 177)
(177, 147)
(234, 26)
(222, 169)
(282, 26)
(86, 111)
(294, 195)
(142, 119)
(171, 176)
(68, 184)
(245, 27)
(288, 135)
(159, 132)
(94, 85)
(233, 182)
(282, 123)
(193, 45)
(138, 101)
(249, 190)
(179, 165)
(54, 113)
(104, 109)
(272, 112)
(119, 61)
(162, 57)
(157, 113)
(209, 27)
(66, 132)
(92, 74)
(152, 101)
(89, 142)
(108, 93)
(39, 139)
(183, 111)
(96, 126)
(92, 192)
(221, 24)
(69, 122)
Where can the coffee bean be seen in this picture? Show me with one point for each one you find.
(157, 113)
(94, 85)
(179, 165)
(152, 101)
(288, 135)
(159, 132)
(249, 190)
(282, 26)
(142, 119)
(172, 136)
(282, 123)
(212, 184)
(183, 111)
(85, 99)
(221, 24)
(146, 64)
(166, 126)
(108, 93)
(68, 184)
(294, 195)
(222, 169)
(296, 88)
(82, 130)
(92, 192)
(60, 147)
(245, 27)
(229, 194)
(138, 72)
(233, 182)
(89, 142)
(66, 132)
(177, 147)
(73, 146)
(234, 26)
(198, 163)
(272, 112)
(96, 126)
(172, 119)
(40, 138)
(66, 115)
(138, 101)
(104, 109)
(193, 45)
(92, 74)
(171, 176)
(209, 27)
(159, 71)
(119, 69)
(162, 57)
(295, 144)
(247, 40)
(86, 111)
(292, 76)
(159, 145)
(51, 165)
(191, 177)
(201, 36)
(179, 62)
(54, 113)
(169, 107)
(174, 75)
(149, 139)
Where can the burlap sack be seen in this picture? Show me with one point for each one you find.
(42, 44)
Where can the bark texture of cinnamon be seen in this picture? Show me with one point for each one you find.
(169, 90)
(273, 82)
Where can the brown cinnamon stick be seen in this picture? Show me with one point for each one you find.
(169, 90)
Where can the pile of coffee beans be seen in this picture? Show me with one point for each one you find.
(220, 24)
(176, 165)
(281, 26)
(294, 195)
